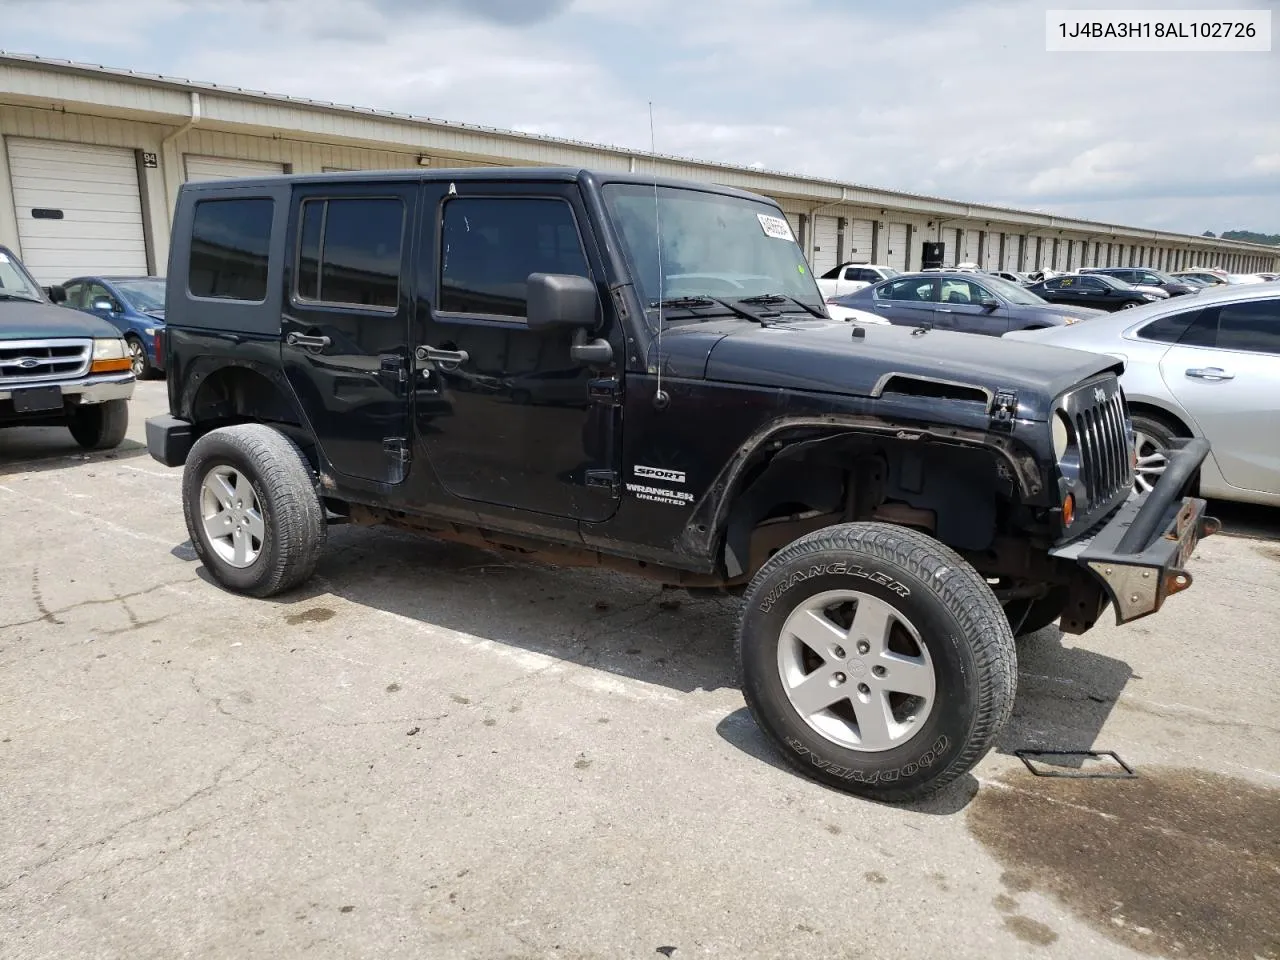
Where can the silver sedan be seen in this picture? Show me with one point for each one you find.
(1203, 366)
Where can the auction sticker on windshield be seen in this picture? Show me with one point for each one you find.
(776, 227)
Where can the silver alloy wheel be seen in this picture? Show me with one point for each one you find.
(137, 357)
(231, 516)
(869, 686)
(1153, 459)
(1128, 306)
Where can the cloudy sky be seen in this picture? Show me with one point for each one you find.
(950, 97)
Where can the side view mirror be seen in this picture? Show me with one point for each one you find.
(106, 306)
(567, 302)
(57, 293)
(559, 300)
(988, 303)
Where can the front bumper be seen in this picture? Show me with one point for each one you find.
(84, 390)
(1138, 558)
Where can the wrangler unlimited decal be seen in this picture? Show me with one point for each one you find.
(818, 570)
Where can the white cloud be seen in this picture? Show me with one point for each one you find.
(958, 99)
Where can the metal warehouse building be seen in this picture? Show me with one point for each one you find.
(91, 160)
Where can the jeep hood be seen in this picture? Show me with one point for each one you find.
(25, 320)
(823, 355)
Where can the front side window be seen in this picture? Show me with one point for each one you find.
(490, 245)
(349, 251)
(712, 245)
(1252, 327)
(229, 245)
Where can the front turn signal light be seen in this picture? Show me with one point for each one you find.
(1068, 510)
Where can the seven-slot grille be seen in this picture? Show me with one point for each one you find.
(1097, 414)
(32, 361)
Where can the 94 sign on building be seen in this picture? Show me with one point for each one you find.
(1156, 31)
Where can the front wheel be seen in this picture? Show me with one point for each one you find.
(99, 426)
(876, 660)
(1128, 306)
(252, 509)
(138, 362)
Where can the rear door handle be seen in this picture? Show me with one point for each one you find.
(302, 340)
(882, 306)
(1210, 373)
(446, 358)
(945, 310)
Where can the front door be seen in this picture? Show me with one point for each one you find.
(506, 416)
(1225, 371)
(346, 323)
(969, 308)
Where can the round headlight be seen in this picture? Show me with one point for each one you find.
(1061, 435)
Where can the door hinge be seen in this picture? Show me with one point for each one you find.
(1004, 408)
(602, 479)
(397, 448)
(605, 390)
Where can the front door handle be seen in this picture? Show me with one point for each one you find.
(945, 310)
(1210, 373)
(303, 340)
(882, 306)
(446, 358)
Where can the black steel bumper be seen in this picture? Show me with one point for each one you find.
(1139, 556)
(169, 439)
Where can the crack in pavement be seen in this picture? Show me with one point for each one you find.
(62, 853)
(50, 616)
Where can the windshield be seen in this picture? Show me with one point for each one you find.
(712, 246)
(1013, 292)
(142, 294)
(14, 280)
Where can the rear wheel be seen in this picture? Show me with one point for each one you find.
(876, 660)
(252, 509)
(99, 426)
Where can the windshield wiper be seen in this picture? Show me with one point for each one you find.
(783, 298)
(17, 296)
(690, 303)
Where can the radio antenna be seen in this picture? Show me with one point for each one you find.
(660, 398)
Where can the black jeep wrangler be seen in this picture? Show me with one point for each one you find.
(601, 369)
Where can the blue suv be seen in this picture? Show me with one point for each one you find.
(134, 306)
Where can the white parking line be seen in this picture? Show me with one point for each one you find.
(114, 527)
(154, 473)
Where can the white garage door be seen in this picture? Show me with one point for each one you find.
(220, 168)
(1010, 259)
(858, 236)
(968, 252)
(79, 209)
(991, 251)
(896, 255)
(826, 238)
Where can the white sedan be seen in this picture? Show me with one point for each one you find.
(1204, 366)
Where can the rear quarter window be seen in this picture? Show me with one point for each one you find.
(230, 241)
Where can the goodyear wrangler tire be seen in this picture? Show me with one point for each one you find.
(876, 660)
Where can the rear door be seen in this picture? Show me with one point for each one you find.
(908, 300)
(345, 325)
(1225, 370)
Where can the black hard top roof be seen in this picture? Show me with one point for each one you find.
(528, 174)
